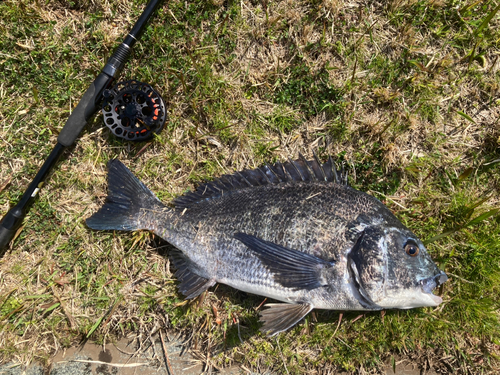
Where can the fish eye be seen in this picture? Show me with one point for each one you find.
(412, 249)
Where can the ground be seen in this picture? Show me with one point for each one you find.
(404, 94)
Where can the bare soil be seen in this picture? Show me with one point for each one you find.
(126, 358)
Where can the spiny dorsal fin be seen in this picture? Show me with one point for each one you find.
(300, 170)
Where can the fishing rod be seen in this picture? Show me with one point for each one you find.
(89, 104)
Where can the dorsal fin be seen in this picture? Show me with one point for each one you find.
(300, 170)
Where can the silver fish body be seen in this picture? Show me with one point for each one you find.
(293, 232)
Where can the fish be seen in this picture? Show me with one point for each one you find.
(295, 232)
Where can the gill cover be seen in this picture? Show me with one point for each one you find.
(367, 267)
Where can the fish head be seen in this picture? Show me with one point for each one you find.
(389, 267)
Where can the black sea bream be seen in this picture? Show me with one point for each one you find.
(293, 232)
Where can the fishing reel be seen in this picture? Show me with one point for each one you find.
(133, 110)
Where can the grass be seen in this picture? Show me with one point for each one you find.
(404, 94)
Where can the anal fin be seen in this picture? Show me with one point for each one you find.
(281, 316)
(191, 285)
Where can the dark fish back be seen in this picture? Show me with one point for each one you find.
(304, 205)
(311, 217)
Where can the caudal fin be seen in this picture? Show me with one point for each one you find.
(128, 203)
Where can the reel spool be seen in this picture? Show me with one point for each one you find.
(133, 110)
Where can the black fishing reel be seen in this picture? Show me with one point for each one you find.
(133, 110)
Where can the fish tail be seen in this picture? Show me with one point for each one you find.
(129, 204)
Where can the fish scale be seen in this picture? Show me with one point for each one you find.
(257, 213)
(294, 232)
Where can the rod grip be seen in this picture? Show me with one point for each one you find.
(8, 227)
(6, 235)
(85, 109)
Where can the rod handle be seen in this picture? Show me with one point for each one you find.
(8, 227)
(83, 111)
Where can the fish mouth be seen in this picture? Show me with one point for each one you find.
(431, 283)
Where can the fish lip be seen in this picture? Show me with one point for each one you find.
(431, 283)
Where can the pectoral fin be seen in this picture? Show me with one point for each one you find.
(281, 316)
(191, 285)
(290, 268)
